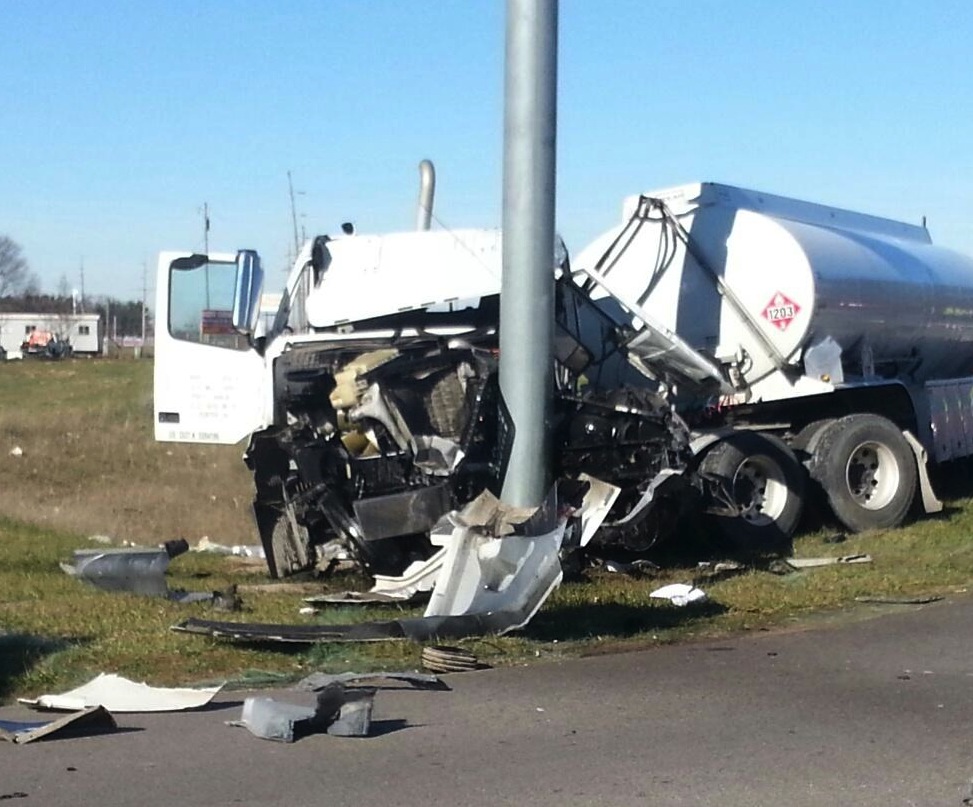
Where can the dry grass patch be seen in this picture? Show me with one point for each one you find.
(90, 464)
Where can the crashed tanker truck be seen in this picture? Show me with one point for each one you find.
(720, 351)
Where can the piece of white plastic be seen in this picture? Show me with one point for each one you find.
(119, 695)
(679, 594)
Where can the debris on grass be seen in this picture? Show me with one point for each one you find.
(680, 594)
(920, 600)
(141, 570)
(638, 568)
(487, 584)
(813, 563)
(237, 550)
(134, 570)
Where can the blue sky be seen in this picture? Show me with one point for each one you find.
(120, 119)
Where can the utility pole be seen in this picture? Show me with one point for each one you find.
(527, 285)
(144, 293)
(290, 186)
(82, 284)
(205, 228)
(206, 270)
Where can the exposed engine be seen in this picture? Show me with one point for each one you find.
(375, 442)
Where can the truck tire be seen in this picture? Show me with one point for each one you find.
(291, 551)
(764, 481)
(867, 470)
(808, 438)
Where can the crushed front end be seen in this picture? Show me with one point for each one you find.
(375, 439)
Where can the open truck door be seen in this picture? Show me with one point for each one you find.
(209, 379)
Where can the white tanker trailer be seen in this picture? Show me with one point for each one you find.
(849, 336)
(719, 347)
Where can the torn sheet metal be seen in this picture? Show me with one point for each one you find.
(319, 680)
(93, 720)
(261, 633)
(415, 582)
(120, 695)
(316, 601)
(598, 501)
(504, 579)
(338, 711)
(679, 594)
(487, 584)
(813, 563)
(133, 569)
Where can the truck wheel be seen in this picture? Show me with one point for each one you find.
(291, 551)
(867, 471)
(807, 438)
(764, 483)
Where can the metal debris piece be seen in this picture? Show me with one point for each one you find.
(133, 569)
(292, 634)
(920, 600)
(371, 597)
(813, 563)
(598, 502)
(206, 545)
(319, 680)
(444, 659)
(338, 711)
(176, 547)
(510, 576)
(679, 594)
(120, 695)
(404, 513)
(487, 584)
(414, 584)
(637, 568)
(93, 720)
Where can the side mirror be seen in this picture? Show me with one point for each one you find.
(246, 294)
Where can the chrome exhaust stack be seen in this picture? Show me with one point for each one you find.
(427, 190)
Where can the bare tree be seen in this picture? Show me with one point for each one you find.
(15, 275)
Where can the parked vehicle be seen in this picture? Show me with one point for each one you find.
(721, 349)
(42, 344)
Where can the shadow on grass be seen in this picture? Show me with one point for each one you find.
(613, 620)
(19, 652)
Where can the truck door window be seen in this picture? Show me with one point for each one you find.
(201, 305)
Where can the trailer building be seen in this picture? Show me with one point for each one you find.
(83, 331)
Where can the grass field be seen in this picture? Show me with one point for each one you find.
(89, 466)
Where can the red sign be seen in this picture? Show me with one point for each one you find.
(781, 311)
(216, 322)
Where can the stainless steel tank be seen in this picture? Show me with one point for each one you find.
(797, 273)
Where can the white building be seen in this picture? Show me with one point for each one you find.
(81, 330)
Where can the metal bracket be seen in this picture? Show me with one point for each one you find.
(930, 503)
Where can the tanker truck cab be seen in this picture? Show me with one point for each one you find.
(372, 401)
(216, 347)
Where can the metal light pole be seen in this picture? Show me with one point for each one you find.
(527, 296)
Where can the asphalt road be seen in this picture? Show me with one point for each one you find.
(871, 713)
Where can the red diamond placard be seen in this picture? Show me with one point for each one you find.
(781, 311)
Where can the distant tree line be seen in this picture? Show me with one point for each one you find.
(20, 294)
